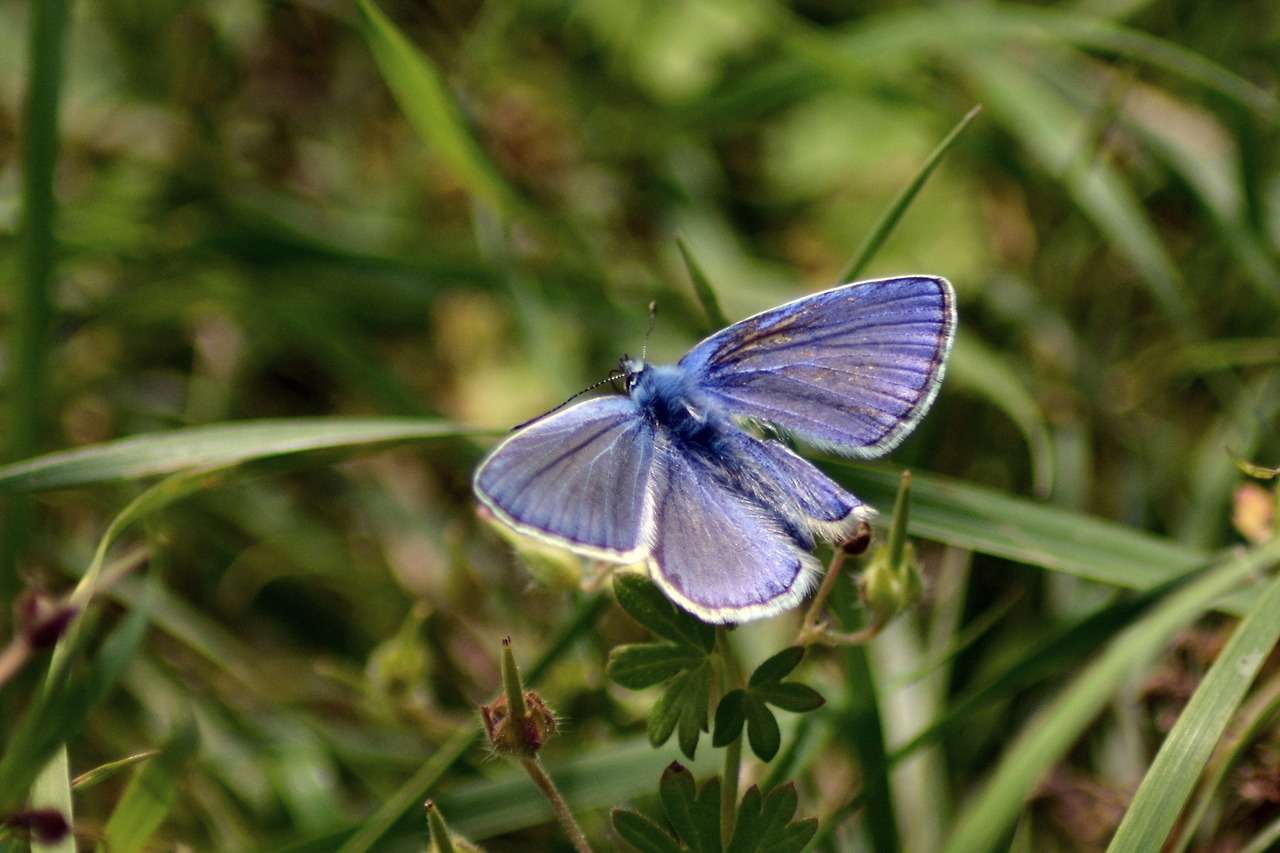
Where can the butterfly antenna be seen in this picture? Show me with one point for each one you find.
(653, 321)
(612, 377)
(619, 373)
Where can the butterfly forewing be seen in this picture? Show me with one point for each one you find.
(851, 369)
(577, 477)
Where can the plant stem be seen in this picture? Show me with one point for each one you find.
(731, 679)
(729, 790)
(533, 766)
(408, 795)
(811, 629)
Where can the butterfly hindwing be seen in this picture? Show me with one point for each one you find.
(803, 496)
(716, 552)
(851, 370)
(578, 477)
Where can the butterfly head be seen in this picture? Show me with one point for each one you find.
(630, 370)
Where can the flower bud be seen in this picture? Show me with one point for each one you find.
(518, 723)
(886, 589)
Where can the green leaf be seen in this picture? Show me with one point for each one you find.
(793, 837)
(677, 791)
(684, 705)
(764, 824)
(642, 833)
(645, 603)
(781, 804)
(640, 665)
(762, 728)
(791, 696)
(210, 447)
(750, 706)
(694, 814)
(781, 835)
(707, 816)
(747, 830)
(730, 716)
(777, 667)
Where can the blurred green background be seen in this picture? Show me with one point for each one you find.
(252, 225)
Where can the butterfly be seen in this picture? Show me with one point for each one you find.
(686, 472)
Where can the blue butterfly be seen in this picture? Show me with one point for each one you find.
(726, 520)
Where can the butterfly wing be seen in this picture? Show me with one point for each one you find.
(717, 552)
(851, 370)
(577, 478)
(808, 501)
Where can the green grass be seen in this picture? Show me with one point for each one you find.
(274, 276)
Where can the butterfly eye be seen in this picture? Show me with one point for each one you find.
(631, 369)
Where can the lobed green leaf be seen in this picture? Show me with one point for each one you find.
(684, 705)
(777, 667)
(640, 665)
(645, 603)
(791, 696)
(642, 833)
(731, 715)
(764, 823)
(762, 728)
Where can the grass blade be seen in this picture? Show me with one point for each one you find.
(1049, 129)
(1051, 732)
(890, 218)
(429, 106)
(210, 446)
(52, 790)
(976, 366)
(1024, 530)
(1189, 745)
(150, 795)
(32, 310)
(702, 287)
(76, 685)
